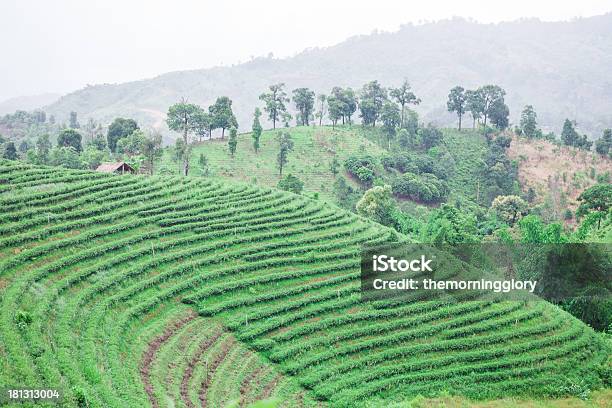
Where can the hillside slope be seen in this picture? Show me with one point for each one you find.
(549, 73)
(132, 291)
(558, 174)
(310, 160)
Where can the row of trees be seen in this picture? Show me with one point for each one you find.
(373, 101)
(129, 143)
(486, 103)
(191, 119)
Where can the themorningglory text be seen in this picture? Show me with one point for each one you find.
(384, 263)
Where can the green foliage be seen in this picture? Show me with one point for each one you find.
(603, 145)
(118, 129)
(426, 187)
(570, 137)
(93, 157)
(132, 144)
(66, 157)
(43, 146)
(291, 183)
(500, 114)
(430, 136)
(597, 198)
(304, 100)
(151, 149)
(233, 141)
(285, 146)
(345, 195)
(404, 96)
(534, 231)
(391, 119)
(371, 100)
(377, 204)
(449, 225)
(457, 100)
(275, 102)
(509, 208)
(489, 99)
(529, 122)
(256, 129)
(70, 138)
(362, 167)
(342, 104)
(334, 167)
(10, 152)
(474, 104)
(184, 118)
(204, 124)
(221, 115)
(73, 123)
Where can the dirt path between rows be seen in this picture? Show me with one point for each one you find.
(217, 360)
(204, 346)
(150, 354)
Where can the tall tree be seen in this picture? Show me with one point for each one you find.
(334, 109)
(222, 114)
(404, 96)
(256, 129)
(118, 129)
(275, 102)
(569, 135)
(529, 121)
(596, 198)
(473, 104)
(233, 141)
(74, 123)
(349, 104)
(391, 118)
(285, 145)
(457, 102)
(371, 101)
(43, 146)
(183, 118)
(499, 114)
(322, 98)
(491, 97)
(204, 124)
(9, 151)
(603, 145)
(509, 208)
(304, 100)
(152, 149)
(70, 138)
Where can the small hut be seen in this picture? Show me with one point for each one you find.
(116, 168)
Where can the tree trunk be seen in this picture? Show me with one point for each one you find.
(222, 133)
(185, 166)
(460, 123)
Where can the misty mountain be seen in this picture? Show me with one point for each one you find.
(564, 69)
(27, 103)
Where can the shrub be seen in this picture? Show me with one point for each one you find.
(291, 183)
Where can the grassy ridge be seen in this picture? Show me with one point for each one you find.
(132, 291)
(310, 160)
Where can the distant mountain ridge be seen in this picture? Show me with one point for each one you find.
(27, 102)
(562, 68)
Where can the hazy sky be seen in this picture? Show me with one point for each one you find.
(62, 45)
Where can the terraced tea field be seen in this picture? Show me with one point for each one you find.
(125, 291)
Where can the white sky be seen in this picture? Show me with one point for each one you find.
(62, 45)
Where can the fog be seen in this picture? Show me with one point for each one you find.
(63, 45)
